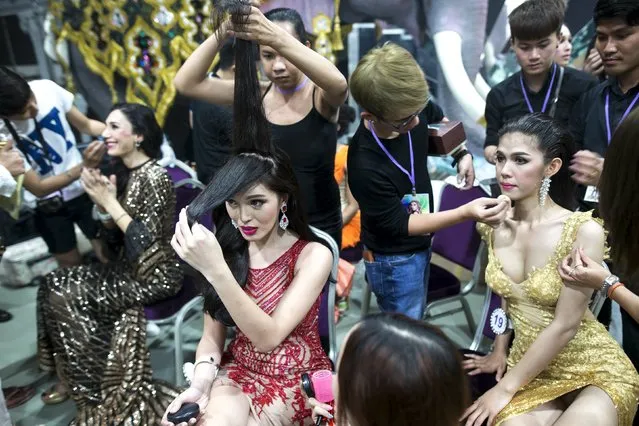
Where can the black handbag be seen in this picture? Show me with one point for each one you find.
(50, 205)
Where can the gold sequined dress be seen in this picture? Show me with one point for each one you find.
(591, 358)
(91, 323)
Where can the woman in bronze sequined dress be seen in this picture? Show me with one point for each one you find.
(91, 323)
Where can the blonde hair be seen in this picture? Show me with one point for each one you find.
(388, 81)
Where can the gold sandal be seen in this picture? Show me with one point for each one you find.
(53, 396)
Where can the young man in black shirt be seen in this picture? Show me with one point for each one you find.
(535, 30)
(212, 123)
(600, 110)
(388, 177)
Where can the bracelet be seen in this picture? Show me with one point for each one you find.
(189, 369)
(459, 155)
(120, 217)
(103, 217)
(457, 149)
(208, 360)
(613, 288)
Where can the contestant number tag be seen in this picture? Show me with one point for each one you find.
(499, 321)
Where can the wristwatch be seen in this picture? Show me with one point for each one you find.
(98, 215)
(457, 156)
(609, 282)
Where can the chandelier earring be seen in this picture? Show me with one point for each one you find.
(284, 218)
(543, 190)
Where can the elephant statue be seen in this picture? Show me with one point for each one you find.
(457, 29)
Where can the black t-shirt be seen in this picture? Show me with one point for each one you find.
(588, 122)
(378, 184)
(506, 101)
(212, 130)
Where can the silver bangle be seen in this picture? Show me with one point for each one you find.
(189, 368)
(98, 215)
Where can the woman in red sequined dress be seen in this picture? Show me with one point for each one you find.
(261, 240)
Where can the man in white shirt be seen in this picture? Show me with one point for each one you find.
(11, 165)
(40, 114)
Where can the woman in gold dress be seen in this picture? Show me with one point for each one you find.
(91, 323)
(563, 367)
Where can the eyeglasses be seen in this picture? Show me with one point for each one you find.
(400, 125)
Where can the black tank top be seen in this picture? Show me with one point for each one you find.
(311, 144)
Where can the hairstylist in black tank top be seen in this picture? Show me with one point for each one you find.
(302, 105)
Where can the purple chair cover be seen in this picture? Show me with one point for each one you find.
(183, 197)
(458, 243)
(495, 302)
(482, 383)
(168, 307)
(441, 284)
(177, 174)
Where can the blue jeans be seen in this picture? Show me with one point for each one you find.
(400, 282)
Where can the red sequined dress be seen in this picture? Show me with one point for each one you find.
(272, 380)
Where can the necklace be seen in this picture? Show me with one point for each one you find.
(295, 89)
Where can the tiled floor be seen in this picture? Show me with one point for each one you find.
(18, 348)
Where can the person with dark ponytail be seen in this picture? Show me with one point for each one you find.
(563, 367)
(91, 322)
(301, 102)
(261, 273)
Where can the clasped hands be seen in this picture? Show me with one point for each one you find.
(99, 188)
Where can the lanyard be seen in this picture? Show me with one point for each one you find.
(411, 175)
(625, 114)
(18, 140)
(523, 91)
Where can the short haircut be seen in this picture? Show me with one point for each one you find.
(227, 55)
(627, 10)
(536, 19)
(389, 81)
(14, 93)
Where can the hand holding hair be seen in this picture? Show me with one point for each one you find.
(253, 26)
(198, 247)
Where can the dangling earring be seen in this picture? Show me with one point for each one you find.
(234, 223)
(138, 144)
(284, 219)
(543, 190)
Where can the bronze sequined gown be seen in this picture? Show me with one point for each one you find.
(591, 358)
(91, 323)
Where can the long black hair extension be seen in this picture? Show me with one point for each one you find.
(252, 132)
